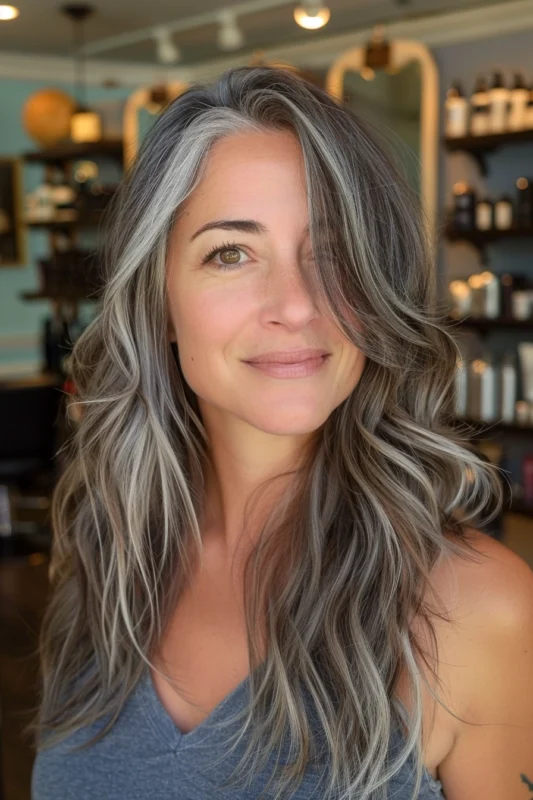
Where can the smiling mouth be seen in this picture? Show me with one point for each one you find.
(298, 369)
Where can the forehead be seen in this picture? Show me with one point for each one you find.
(249, 174)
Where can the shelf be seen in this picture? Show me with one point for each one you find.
(74, 150)
(68, 296)
(481, 238)
(483, 427)
(484, 325)
(85, 220)
(478, 146)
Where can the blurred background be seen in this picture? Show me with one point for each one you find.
(450, 84)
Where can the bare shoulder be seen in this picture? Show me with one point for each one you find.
(495, 585)
(491, 601)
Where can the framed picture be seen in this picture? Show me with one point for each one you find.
(12, 239)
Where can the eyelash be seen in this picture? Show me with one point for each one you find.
(226, 246)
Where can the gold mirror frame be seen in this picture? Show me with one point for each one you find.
(403, 51)
(18, 234)
(139, 99)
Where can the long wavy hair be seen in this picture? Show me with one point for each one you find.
(342, 565)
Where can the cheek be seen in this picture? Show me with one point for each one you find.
(207, 327)
(355, 364)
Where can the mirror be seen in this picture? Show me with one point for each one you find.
(12, 241)
(140, 111)
(405, 101)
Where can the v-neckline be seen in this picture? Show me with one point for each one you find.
(170, 733)
(160, 713)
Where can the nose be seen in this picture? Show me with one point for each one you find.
(289, 295)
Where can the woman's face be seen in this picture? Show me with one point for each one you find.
(251, 297)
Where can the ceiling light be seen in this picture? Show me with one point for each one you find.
(85, 125)
(167, 51)
(8, 12)
(311, 14)
(230, 36)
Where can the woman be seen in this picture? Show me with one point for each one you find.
(261, 546)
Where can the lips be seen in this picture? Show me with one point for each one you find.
(288, 357)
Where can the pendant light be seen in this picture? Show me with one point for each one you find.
(85, 125)
(311, 14)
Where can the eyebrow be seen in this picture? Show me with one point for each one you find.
(242, 225)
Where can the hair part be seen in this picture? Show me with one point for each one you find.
(342, 565)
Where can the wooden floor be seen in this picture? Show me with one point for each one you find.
(23, 593)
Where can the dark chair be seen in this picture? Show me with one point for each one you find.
(29, 415)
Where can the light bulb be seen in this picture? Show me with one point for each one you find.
(230, 36)
(8, 12)
(167, 51)
(311, 15)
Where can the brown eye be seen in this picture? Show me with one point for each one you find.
(233, 257)
(230, 259)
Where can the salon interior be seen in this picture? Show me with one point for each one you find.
(449, 83)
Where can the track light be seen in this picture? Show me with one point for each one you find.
(8, 12)
(230, 36)
(311, 14)
(167, 51)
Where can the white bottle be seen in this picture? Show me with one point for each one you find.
(461, 388)
(480, 108)
(508, 387)
(489, 398)
(492, 295)
(499, 104)
(484, 214)
(456, 112)
(503, 213)
(518, 103)
(528, 111)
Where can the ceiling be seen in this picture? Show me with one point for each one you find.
(41, 28)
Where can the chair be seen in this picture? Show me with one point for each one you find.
(29, 412)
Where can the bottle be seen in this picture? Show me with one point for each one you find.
(489, 374)
(63, 197)
(461, 387)
(518, 102)
(484, 214)
(503, 213)
(527, 478)
(456, 112)
(508, 387)
(492, 295)
(524, 202)
(528, 111)
(499, 103)
(464, 206)
(480, 108)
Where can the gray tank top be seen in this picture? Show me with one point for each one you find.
(145, 755)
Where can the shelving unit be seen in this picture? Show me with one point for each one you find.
(481, 239)
(69, 151)
(67, 258)
(85, 220)
(479, 148)
(63, 155)
(484, 325)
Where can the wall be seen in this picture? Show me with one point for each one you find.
(20, 320)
